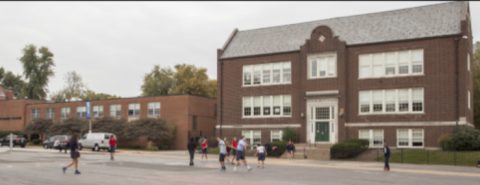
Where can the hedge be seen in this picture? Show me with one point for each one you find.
(5, 133)
(279, 150)
(348, 148)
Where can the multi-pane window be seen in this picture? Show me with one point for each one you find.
(50, 113)
(374, 136)
(214, 110)
(400, 63)
(280, 105)
(65, 112)
(267, 74)
(35, 113)
(391, 101)
(468, 101)
(276, 135)
(322, 66)
(97, 111)
(154, 109)
(468, 61)
(253, 136)
(413, 138)
(322, 113)
(115, 110)
(81, 112)
(194, 122)
(134, 109)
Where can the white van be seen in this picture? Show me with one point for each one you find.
(95, 141)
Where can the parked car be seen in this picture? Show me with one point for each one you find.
(18, 140)
(64, 139)
(95, 141)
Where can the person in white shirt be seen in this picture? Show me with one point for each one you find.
(262, 152)
(241, 154)
(56, 145)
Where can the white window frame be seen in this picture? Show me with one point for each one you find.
(262, 107)
(115, 111)
(410, 138)
(468, 62)
(371, 137)
(64, 112)
(98, 111)
(35, 113)
(79, 111)
(154, 104)
(468, 101)
(135, 106)
(397, 111)
(249, 135)
(280, 132)
(50, 114)
(384, 75)
(318, 58)
(251, 67)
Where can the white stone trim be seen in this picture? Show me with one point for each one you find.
(261, 126)
(314, 93)
(432, 123)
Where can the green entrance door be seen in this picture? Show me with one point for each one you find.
(322, 131)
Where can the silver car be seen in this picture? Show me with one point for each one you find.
(95, 141)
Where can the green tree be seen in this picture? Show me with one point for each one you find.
(108, 124)
(58, 96)
(212, 88)
(72, 125)
(40, 126)
(289, 134)
(190, 80)
(154, 129)
(2, 73)
(158, 82)
(37, 70)
(75, 88)
(14, 83)
(91, 95)
(476, 85)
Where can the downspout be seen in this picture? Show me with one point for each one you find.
(221, 96)
(457, 114)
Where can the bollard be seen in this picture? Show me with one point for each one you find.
(11, 141)
(304, 156)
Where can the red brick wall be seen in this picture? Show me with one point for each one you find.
(14, 108)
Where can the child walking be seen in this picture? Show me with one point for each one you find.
(221, 146)
(261, 152)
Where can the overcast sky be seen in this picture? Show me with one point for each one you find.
(113, 44)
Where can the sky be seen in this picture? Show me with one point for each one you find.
(112, 45)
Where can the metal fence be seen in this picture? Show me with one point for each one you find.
(411, 156)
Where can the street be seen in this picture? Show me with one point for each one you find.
(39, 166)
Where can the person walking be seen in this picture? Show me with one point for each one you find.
(386, 153)
(292, 147)
(229, 147)
(222, 147)
(113, 144)
(261, 152)
(74, 154)
(56, 145)
(204, 149)
(234, 149)
(191, 149)
(289, 150)
(241, 154)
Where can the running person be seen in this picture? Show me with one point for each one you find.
(73, 150)
(227, 153)
(221, 145)
(241, 153)
(262, 152)
(113, 143)
(234, 149)
(204, 149)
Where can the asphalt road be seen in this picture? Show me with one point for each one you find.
(21, 167)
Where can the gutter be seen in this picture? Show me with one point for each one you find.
(457, 113)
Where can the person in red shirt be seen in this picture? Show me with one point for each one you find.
(234, 149)
(204, 149)
(112, 142)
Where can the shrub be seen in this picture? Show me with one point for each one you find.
(212, 142)
(445, 142)
(38, 126)
(72, 125)
(214, 151)
(36, 141)
(153, 148)
(289, 134)
(29, 143)
(279, 150)
(348, 148)
(465, 138)
(134, 147)
(6, 133)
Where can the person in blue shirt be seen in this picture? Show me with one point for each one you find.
(241, 153)
(73, 150)
(386, 153)
(289, 150)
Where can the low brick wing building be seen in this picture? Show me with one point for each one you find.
(401, 76)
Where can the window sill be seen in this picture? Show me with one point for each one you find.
(395, 113)
(253, 117)
(269, 84)
(391, 76)
(319, 78)
(409, 147)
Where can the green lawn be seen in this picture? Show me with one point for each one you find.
(469, 158)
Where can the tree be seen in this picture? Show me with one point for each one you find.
(58, 96)
(108, 124)
(212, 89)
(91, 95)
(190, 80)
(289, 134)
(72, 125)
(14, 83)
(40, 126)
(158, 82)
(37, 70)
(2, 73)
(75, 88)
(154, 129)
(476, 85)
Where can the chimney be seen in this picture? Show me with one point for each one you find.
(10, 95)
(3, 94)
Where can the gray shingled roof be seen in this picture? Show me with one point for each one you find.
(411, 23)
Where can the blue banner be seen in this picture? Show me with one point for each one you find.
(87, 106)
